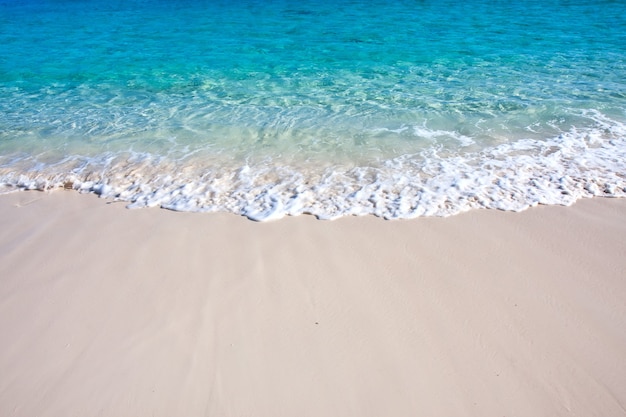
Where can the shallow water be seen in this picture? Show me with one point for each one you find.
(329, 108)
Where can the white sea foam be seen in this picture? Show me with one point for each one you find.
(581, 162)
(423, 131)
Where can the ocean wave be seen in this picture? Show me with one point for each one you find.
(578, 163)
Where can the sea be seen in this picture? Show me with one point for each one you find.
(261, 108)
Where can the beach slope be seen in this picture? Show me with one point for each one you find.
(106, 311)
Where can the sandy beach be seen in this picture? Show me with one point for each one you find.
(106, 311)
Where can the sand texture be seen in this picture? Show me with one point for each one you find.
(106, 311)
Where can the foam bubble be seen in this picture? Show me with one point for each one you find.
(582, 162)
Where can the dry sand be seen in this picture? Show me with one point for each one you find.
(112, 312)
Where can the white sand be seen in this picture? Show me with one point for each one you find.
(112, 312)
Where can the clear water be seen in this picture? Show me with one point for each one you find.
(272, 108)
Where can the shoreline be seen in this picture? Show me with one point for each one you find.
(109, 311)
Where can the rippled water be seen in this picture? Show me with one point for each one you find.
(331, 108)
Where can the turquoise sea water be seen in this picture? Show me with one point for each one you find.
(268, 108)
